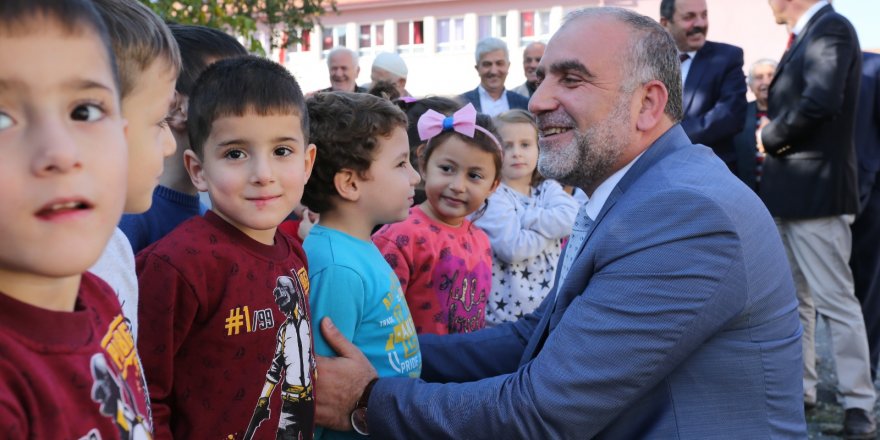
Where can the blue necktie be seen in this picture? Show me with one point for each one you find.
(582, 225)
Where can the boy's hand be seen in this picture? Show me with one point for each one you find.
(340, 380)
(309, 219)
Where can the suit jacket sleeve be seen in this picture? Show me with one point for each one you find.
(727, 117)
(658, 290)
(827, 58)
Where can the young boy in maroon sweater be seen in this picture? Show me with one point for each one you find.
(224, 321)
(68, 364)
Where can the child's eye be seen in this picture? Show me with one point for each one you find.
(164, 122)
(234, 154)
(282, 151)
(445, 168)
(87, 112)
(403, 163)
(475, 176)
(5, 121)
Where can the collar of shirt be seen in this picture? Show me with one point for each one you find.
(686, 64)
(491, 106)
(802, 22)
(600, 195)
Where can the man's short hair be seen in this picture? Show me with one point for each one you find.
(667, 9)
(139, 38)
(490, 44)
(200, 46)
(761, 62)
(652, 55)
(346, 128)
(236, 86)
(74, 16)
(355, 59)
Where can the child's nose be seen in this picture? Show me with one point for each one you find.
(56, 151)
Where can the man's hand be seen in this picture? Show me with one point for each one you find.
(341, 380)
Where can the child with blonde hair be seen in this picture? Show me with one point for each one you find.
(68, 367)
(527, 218)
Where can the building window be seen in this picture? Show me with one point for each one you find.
(410, 36)
(333, 37)
(535, 26)
(304, 44)
(371, 38)
(450, 34)
(492, 26)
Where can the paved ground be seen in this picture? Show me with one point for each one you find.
(825, 422)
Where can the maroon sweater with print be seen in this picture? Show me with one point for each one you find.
(224, 334)
(70, 375)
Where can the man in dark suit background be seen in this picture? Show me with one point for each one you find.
(493, 63)
(714, 85)
(809, 186)
(749, 162)
(865, 259)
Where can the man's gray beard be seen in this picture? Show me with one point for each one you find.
(593, 154)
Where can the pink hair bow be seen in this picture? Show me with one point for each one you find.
(463, 121)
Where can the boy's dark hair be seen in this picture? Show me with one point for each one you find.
(384, 89)
(200, 46)
(346, 128)
(74, 16)
(139, 38)
(236, 86)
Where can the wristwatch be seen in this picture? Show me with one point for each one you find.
(359, 414)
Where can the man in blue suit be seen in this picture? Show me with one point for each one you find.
(865, 258)
(674, 314)
(493, 63)
(714, 85)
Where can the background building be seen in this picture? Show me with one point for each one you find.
(437, 37)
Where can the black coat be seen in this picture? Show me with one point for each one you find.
(810, 170)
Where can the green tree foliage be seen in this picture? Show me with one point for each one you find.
(287, 18)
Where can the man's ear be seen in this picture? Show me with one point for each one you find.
(196, 170)
(347, 184)
(310, 154)
(177, 116)
(664, 22)
(654, 97)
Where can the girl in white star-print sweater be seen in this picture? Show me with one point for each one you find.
(526, 221)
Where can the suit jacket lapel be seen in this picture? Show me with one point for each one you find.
(797, 41)
(673, 139)
(695, 75)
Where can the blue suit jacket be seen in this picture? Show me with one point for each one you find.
(714, 98)
(678, 320)
(867, 133)
(514, 100)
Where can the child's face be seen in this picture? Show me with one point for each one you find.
(388, 191)
(458, 179)
(64, 154)
(254, 168)
(520, 152)
(149, 138)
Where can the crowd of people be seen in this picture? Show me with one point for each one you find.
(621, 247)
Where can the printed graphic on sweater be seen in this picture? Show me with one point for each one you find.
(111, 388)
(464, 292)
(292, 365)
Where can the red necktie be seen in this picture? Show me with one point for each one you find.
(683, 57)
(791, 38)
